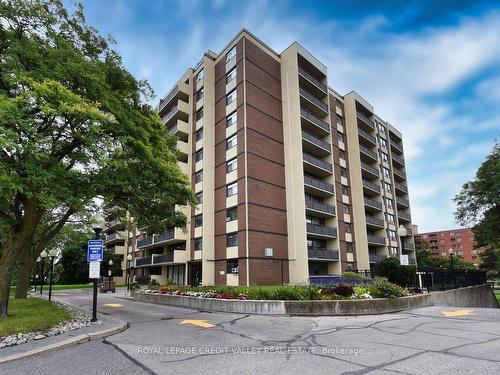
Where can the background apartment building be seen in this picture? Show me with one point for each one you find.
(460, 241)
(294, 181)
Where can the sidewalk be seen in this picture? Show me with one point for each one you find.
(105, 326)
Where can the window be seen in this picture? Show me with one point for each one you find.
(232, 189)
(199, 155)
(387, 173)
(199, 134)
(232, 239)
(314, 220)
(387, 187)
(199, 197)
(346, 209)
(348, 247)
(343, 172)
(198, 177)
(199, 94)
(339, 120)
(231, 75)
(381, 128)
(232, 213)
(232, 266)
(199, 114)
(384, 156)
(340, 136)
(345, 190)
(198, 220)
(392, 235)
(231, 119)
(198, 243)
(342, 154)
(347, 227)
(390, 219)
(200, 75)
(393, 251)
(231, 165)
(231, 97)
(231, 141)
(389, 203)
(231, 54)
(382, 142)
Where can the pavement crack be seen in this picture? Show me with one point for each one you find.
(130, 358)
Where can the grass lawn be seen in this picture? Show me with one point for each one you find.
(497, 294)
(59, 287)
(31, 314)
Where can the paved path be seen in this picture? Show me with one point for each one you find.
(420, 341)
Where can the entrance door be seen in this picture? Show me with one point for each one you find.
(195, 273)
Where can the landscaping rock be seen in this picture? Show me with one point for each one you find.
(39, 337)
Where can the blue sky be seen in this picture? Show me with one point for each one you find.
(431, 68)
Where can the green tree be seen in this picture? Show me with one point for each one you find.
(490, 262)
(74, 126)
(426, 260)
(72, 266)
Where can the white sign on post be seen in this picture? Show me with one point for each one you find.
(94, 270)
(403, 260)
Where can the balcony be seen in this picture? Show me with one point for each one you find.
(365, 120)
(314, 124)
(316, 166)
(142, 262)
(408, 246)
(116, 250)
(403, 216)
(115, 237)
(321, 209)
(163, 258)
(311, 143)
(178, 112)
(367, 138)
(372, 221)
(409, 232)
(182, 150)
(309, 79)
(180, 90)
(113, 224)
(401, 187)
(374, 258)
(403, 202)
(321, 231)
(399, 173)
(368, 154)
(322, 254)
(412, 261)
(375, 240)
(369, 171)
(397, 147)
(373, 204)
(370, 188)
(398, 160)
(180, 130)
(318, 187)
(311, 102)
(169, 236)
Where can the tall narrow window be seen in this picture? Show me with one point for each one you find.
(199, 114)
(231, 141)
(231, 119)
(231, 97)
(199, 134)
(199, 155)
(199, 94)
(232, 189)
(231, 54)
(231, 75)
(232, 213)
(231, 165)
(200, 75)
(198, 176)
(232, 239)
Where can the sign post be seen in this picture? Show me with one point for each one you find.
(94, 257)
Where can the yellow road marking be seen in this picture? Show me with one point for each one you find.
(451, 314)
(199, 323)
(113, 305)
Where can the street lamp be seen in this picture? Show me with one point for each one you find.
(38, 260)
(97, 226)
(43, 255)
(52, 254)
(110, 263)
(129, 259)
(402, 232)
(451, 252)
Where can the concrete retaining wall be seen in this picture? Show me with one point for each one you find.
(474, 296)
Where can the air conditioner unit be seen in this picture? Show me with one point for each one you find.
(234, 270)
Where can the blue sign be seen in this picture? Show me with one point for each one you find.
(95, 250)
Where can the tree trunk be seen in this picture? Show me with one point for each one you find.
(7, 261)
(26, 260)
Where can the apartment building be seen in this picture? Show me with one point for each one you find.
(115, 241)
(458, 241)
(294, 181)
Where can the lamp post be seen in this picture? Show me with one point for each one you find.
(43, 255)
(129, 259)
(110, 264)
(38, 260)
(97, 227)
(402, 232)
(451, 252)
(52, 254)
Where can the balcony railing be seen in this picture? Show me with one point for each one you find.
(313, 99)
(408, 246)
(373, 203)
(170, 114)
(404, 216)
(317, 162)
(409, 232)
(365, 119)
(321, 207)
(374, 221)
(401, 187)
(399, 173)
(145, 242)
(157, 238)
(397, 146)
(316, 121)
(369, 168)
(319, 184)
(312, 79)
(403, 201)
(368, 152)
(145, 261)
(374, 258)
(316, 141)
(163, 258)
(168, 98)
(398, 159)
(371, 186)
(376, 240)
(321, 230)
(320, 253)
(367, 136)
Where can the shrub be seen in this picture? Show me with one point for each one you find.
(363, 292)
(391, 269)
(383, 288)
(153, 284)
(343, 290)
(353, 276)
(135, 286)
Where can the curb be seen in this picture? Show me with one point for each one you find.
(122, 326)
